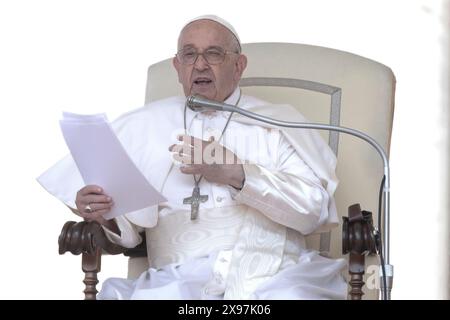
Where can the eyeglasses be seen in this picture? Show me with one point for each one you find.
(213, 55)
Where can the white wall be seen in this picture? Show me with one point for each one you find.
(91, 56)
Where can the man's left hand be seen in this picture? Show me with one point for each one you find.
(216, 163)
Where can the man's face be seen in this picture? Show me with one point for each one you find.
(212, 81)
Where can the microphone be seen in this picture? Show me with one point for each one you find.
(199, 104)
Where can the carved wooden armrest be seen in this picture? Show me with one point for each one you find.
(357, 239)
(85, 237)
(88, 239)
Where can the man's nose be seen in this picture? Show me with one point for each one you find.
(201, 63)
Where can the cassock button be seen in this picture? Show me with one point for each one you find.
(219, 199)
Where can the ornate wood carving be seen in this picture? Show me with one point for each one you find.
(357, 240)
(91, 265)
(85, 237)
(88, 239)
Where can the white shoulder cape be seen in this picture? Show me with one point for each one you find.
(147, 132)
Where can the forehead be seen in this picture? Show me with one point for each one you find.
(203, 34)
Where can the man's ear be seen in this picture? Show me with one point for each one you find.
(241, 64)
(176, 65)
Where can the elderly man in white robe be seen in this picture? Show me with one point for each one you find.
(243, 235)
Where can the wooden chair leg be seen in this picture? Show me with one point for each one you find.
(357, 240)
(356, 271)
(91, 265)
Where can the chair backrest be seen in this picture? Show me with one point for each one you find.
(327, 86)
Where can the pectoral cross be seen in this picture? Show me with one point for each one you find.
(194, 201)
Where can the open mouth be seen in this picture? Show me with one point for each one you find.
(202, 81)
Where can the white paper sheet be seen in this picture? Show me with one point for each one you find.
(103, 161)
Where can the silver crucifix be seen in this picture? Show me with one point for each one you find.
(194, 201)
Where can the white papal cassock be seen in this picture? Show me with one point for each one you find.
(246, 244)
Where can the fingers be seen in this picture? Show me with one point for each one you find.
(193, 142)
(189, 139)
(197, 151)
(181, 149)
(93, 198)
(94, 211)
(96, 215)
(92, 202)
(182, 158)
(192, 169)
(96, 207)
(90, 189)
(184, 152)
(89, 207)
(190, 151)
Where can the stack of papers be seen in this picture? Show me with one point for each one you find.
(103, 161)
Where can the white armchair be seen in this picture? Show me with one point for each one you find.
(327, 86)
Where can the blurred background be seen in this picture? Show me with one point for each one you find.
(92, 56)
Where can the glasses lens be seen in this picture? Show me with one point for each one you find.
(214, 56)
(211, 55)
(188, 56)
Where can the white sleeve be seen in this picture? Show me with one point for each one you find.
(129, 233)
(291, 194)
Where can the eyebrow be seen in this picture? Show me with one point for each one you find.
(188, 46)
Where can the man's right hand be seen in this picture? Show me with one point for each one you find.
(92, 203)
